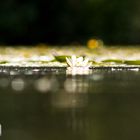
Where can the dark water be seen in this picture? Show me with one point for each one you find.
(49, 105)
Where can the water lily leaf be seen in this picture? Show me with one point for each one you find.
(3, 62)
(61, 58)
(113, 60)
(132, 62)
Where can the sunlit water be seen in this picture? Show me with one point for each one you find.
(49, 104)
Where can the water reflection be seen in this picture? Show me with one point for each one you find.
(102, 105)
(78, 71)
(43, 85)
(72, 94)
(76, 85)
(64, 100)
(4, 82)
(18, 84)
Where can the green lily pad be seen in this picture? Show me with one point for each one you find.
(113, 60)
(132, 62)
(3, 62)
(61, 58)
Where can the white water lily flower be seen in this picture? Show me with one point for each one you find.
(78, 62)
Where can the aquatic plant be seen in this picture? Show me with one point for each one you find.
(78, 62)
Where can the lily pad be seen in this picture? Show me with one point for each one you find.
(61, 58)
(3, 62)
(132, 62)
(113, 60)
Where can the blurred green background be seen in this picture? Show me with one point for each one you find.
(69, 21)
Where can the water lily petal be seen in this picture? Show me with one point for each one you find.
(80, 59)
(73, 60)
(85, 62)
(69, 62)
(78, 62)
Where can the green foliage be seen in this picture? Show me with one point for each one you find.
(61, 58)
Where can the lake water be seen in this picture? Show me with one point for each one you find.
(49, 104)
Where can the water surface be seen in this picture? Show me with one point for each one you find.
(48, 104)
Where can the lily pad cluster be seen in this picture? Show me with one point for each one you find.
(69, 56)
